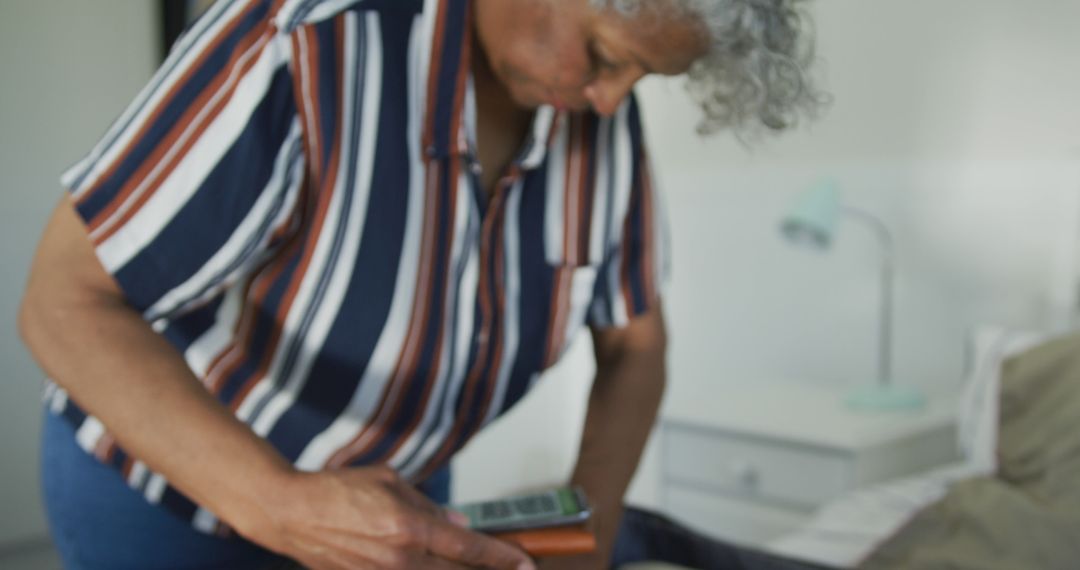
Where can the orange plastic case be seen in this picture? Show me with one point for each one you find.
(560, 541)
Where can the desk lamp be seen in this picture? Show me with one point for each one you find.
(812, 224)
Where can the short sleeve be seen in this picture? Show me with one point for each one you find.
(196, 182)
(636, 269)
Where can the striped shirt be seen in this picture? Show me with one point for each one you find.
(294, 203)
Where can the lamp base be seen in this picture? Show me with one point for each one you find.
(889, 398)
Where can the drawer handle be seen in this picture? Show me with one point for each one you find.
(745, 474)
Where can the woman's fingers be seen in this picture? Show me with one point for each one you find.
(462, 546)
(371, 518)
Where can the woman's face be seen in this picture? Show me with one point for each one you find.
(568, 54)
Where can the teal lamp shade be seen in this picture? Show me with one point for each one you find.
(812, 222)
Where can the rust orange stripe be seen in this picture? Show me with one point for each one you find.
(410, 352)
(434, 66)
(474, 373)
(324, 199)
(310, 116)
(432, 375)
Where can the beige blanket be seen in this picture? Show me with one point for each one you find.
(1026, 516)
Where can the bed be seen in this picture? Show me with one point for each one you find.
(1012, 502)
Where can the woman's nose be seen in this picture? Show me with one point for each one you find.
(606, 93)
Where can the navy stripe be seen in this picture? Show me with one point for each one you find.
(251, 246)
(592, 132)
(449, 66)
(179, 504)
(451, 353)
(118, 458)
(337, 241)
(73, 414)
(352, 338)
(426, 365)
(537, 280)
(329, 90)
(472, 409)
(636, 241)
(182, 331)
(602, 312)
(264, 327)
(210, 216)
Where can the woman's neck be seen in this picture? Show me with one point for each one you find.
(501, 123)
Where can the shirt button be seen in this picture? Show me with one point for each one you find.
(431, 151)
(476, 168)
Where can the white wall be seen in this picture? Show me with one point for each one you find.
(956, 121)
(68, 68)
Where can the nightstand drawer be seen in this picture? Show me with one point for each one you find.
(731, 519)
(754, 467)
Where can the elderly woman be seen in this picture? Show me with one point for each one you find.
(332, 240)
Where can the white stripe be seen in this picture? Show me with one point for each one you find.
(59, 401)
(512, 286)
(340, 274)
(466, 304)
(102, 157)
(598, 245)
(624, 161)
(420, 52)
(48, 392)
(305, 72)
(385, 355)
(204, 521)
(155, 488)
(138, 475)
(202, 352)
(452, 331)
(241, 237)
(582, 285)
(554, 224)
(176, 189)
(542, 124)
(89, 433)
(623, 155)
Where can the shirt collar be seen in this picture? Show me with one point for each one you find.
(295, 13)
(449, 25)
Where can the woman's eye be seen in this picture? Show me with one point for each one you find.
(603, 62)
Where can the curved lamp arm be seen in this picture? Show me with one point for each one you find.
(888, 275)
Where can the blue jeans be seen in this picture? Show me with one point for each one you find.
(97, 522)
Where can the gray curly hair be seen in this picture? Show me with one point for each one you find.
(755, 72)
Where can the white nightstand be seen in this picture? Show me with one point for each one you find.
(750, 464)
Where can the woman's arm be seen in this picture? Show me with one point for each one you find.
(87, 339)
(92, 343)
(625, 396)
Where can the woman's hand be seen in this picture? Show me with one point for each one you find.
(369, 518)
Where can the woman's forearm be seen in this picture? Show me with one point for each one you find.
(622, 407)
(91, 343)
